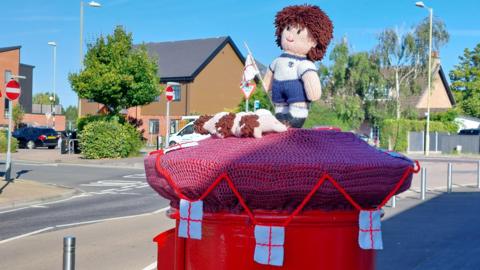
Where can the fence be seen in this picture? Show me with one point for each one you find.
(449, 179)
(42, 108)
(444, 143)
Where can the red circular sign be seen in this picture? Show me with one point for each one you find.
(169, 93)
(12, 90)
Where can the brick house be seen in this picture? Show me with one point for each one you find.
(10, 65)
(208, 72)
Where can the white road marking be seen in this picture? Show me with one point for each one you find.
(81, 223)
(38, 164)
(138, 175)
(112, 183)
(151, 266)
(13, 210)
(39, 206)
(25, 235)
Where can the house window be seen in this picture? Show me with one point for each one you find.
(173, 126)
(90, 100)
(157, 99)
(176, 92)
(154, 126)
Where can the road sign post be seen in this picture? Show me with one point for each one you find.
(12, 92)
(169, 94)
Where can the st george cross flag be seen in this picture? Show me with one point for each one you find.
(269, 241)
(249, 72)
(370, 231)
(191, 214)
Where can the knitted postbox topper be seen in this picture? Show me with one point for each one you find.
(279, 170)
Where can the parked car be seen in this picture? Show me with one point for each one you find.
(32, 137)
(186, 134)
(471, 131)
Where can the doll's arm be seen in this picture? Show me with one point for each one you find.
(267, 80)
(312, 85)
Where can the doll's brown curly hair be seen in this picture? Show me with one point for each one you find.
(308, 16)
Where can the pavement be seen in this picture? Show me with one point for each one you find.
(24, 192)
(123, 243)
(21, 191)
(43, 155)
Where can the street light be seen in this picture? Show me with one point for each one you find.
(94, 5)
(54, 45)
(420, 4)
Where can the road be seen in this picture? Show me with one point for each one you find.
(104, 193)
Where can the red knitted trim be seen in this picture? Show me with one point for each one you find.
(321, 180)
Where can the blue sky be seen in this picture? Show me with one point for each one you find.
(33, 23)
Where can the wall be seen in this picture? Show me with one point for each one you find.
(9, 60)
(439, 98)
(217, 86)
(41, 120)
(26, 84)
(177, 108)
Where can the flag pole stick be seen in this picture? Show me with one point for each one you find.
(258, 75)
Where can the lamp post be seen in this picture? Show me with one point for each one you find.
(54, 45)
(51, 98)
(429, 92)
(90, 4)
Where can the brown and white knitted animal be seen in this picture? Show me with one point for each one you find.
(242, 124)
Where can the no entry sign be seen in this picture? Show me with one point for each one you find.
(169, 93)
(12, 90)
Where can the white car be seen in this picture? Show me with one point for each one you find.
(186, 134)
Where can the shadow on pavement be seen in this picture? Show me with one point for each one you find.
(4, 186)
(442, 233)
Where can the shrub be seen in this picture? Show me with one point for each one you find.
(396, 131)
(109, 139)
(83, 121)
(3, 143)
(323, 116)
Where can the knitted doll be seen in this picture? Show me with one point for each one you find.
(303, 33)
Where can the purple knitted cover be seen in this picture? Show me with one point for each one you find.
(279, 170)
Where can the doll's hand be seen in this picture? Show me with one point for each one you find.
(312, 85)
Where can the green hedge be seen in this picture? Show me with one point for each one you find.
(3, 143)
(83, 121)
(396, 131)
(323, 116)
(109, 139)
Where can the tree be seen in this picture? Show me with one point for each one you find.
(17, 114)
(404, 57)
(465, 81)
(259, 95)
(71, 115)
(353, 86)
(45, 98)
(117, 74)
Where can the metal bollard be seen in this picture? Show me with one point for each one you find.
(394, 201)
(69, 253)
(449, 178)
(423, 184)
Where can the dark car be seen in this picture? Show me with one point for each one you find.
(31, 137)
(471, 131)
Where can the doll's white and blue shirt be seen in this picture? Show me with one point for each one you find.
(287, 85)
